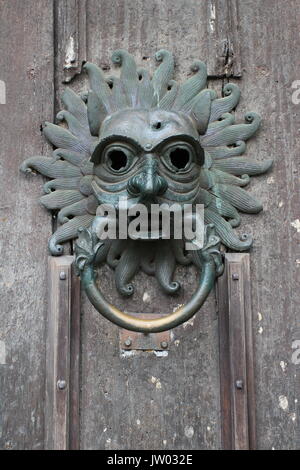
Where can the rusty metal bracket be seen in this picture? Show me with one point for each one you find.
(236, 354)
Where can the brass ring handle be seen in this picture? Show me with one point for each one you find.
(156, 325)
(211, 267)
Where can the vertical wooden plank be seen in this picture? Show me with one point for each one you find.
(128, 398)
(250, 356)
(223, 42)
(74, 428)
(236, 354)
(224, 359)
(62, 384)
(26, 68)
(70, 38)
(267, 88)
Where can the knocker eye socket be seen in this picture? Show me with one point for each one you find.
(119, 159)
(179, 158)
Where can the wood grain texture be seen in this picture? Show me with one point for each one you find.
(62, 361)
(138, 399)
(271, 48)
(236, 354)
(75, 359)
(26, 37)
(70, 38)
(141, 400)
(58, 354)
(223, 39)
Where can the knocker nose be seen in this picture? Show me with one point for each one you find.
(148, 182)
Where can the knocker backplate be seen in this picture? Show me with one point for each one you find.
(132, 340)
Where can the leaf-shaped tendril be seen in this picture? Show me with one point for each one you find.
(96, 112)
(168, 99)
(145, 89)
(204, 197)
(47, 167)
(206, 179)
(225, 152)
(226, 210)
(238, 197)
(231, 98)
(225, 232)
(243, 165)
(75, 158)
(81, 207)
(227, 120)
(189, 106)
(61, 183)
(231, 134)
(62, 138)
(66, 232)
(208, 161)
(129, 76)
(73, 124)
(164, 268)
(115, 251)
(101, 254)
(60, 198)
(85, 185)
(126, 269)
(178, 249)
(189, 89)
(120, 95)
(75, 106)
(222, 207)
(201, 111)
(225, 178)
(99, 85)
(163, 74)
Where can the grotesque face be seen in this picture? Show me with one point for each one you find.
(150, 140)
(150, 155)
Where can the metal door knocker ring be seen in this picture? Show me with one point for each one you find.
(87, 249)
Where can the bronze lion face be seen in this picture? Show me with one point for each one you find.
(150, 140)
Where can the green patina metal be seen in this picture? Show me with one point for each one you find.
(149, 140)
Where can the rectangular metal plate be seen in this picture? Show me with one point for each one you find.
(130, 340)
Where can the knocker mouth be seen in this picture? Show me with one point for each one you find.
(151, 221)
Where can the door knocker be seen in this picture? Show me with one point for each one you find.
(148, 141)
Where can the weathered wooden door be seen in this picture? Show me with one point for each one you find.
(142, 399)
